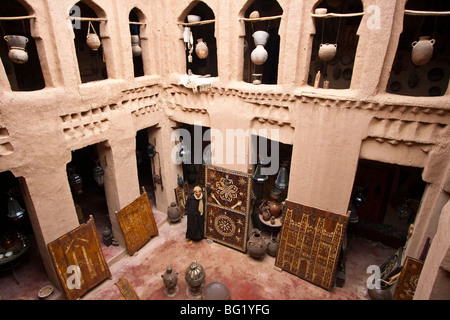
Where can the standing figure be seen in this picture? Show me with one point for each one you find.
(195, 209)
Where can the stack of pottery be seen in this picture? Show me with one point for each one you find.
(17, 45)
(135, 46)
(259, 55)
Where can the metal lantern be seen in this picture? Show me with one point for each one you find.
(282, 180)
(15, 211)
(98, 174)
(151, 151)
(76, 182)
(257, 176)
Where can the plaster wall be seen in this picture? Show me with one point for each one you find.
(330, 130)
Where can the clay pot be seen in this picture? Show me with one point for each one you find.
(173, 213)
(275, 208)
(327, 51)
(17, 45)
(266, 215)
(201, 49)
(170, 279)
(256, 246)
(193, 18)
(93, 41)
(272, 248)
(259, 55)
(422, 50)
(135, 47)
(260, 37)
(383, 293)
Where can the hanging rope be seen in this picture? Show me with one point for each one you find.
(339, 27)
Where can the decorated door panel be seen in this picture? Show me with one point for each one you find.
(310, 243)
(137, 223)
(181, 195)
(228, 204)
(78, 260)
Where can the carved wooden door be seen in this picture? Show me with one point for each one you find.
(228, 206)
(137, 223)
(78, 260)
(310, 243)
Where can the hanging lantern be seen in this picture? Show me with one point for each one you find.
(151, 151)
(98, 174)
(282, 180)
(135, 46)
(17, 48)
(257, 176)
(15, 211)
(184, 155)
(76, 183)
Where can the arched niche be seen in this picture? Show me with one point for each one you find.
(262, 15)
(18, 19)
(194, 33)
(420, 78)
(137, 32)
(338, 26)
(91, 62)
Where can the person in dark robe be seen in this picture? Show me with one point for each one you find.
(195, 212)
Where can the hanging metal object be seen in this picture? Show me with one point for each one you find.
(282, 180)
(151, 151)
(257, 176)
(98, 174)
(76, 182)
(15, 211)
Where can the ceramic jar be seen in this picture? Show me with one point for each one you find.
(422, 50)
(260, 37)
(256, 245)
(272, 247)
(327, 51)
(170, 280)
(259, 55)
(135, 46)
(274, 208)
(93, 41)
(17, 45)
(173, 213)
(201, 49)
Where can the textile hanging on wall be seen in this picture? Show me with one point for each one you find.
(310, 243)
(137, 223)
(78, 260)
(181, 194)
(228, 206)
(409, 277)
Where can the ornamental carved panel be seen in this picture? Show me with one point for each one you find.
(228, 205)
(137, 223)
(310, 243)
(78, 260)
(181, 195)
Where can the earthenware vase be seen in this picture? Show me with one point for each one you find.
(272, 247)
(422, 50)
(256, 245)
(170, 280)
(17, 48)
(92, 38)
(259, 55)
(135, 47)
(383, 293)
(327, 51)
(201, 49)
(173, 213)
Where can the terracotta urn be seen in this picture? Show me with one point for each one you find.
(327, 51)
(256, 246)
(17, 52)
(170, 280)
(201, 49)
(272, 247)
(274, 208)
(135, 46)
(422, 50)
(173, 213)
(266, 215)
